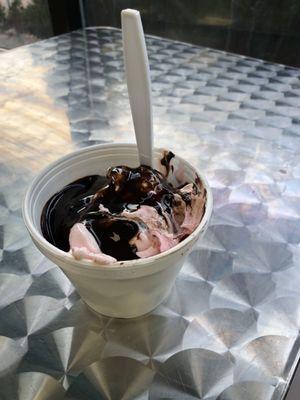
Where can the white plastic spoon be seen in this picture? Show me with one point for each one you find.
(138, 83)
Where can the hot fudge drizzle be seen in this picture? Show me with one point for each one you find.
(96, 201)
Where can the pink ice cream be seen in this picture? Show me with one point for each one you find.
(84, 245)
(157, 233)
(131, 213)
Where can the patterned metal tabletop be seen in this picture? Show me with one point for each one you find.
(229, 330)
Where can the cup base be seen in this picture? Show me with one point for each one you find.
(98, 314)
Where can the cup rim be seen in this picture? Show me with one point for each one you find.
(119, 265)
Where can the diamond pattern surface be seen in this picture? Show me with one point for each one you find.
(229, 329)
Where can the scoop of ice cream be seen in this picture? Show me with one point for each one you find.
(161, 214)
(133, 213)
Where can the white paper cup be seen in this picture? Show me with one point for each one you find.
(124, 289)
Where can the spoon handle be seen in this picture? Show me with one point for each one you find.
(138, 83)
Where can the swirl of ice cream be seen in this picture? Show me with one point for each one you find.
(131, 213)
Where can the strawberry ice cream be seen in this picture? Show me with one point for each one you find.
(131, 213)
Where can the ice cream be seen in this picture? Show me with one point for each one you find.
(131, 213)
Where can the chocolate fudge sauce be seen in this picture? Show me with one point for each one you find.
(85, 200)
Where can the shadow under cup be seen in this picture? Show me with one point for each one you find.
(124, 289)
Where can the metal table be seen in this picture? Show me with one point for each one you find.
(229, 329)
